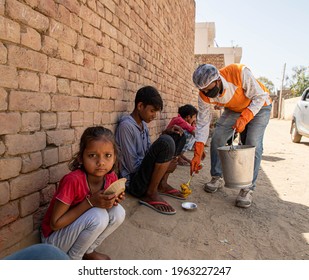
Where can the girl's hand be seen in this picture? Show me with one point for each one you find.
(120, 198)
(101, 200)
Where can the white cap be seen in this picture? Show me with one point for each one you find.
(204, 75)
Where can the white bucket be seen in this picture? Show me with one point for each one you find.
(237, 165)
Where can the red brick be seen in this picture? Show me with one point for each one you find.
(22, 144)
(32, 3)
(47, 194)
(88, 90)
(57, 172)
(78, 57)
(72, 5)
(2, 3)
(88, 119)
(77, 88)
(108, 29)
(63, 120)
(28, 80)
(29, 204)
(63, 15)
(50, 156)
(48, 7)
(105, 118)
(9, 30)
(27, 15)
(60, 68)
(121, 106)
(3, 54)
(63, 86)
(97, 118)
(111, 5)
(97, 90)
(8, 76)
(62, 33)
(88, 45)
(30, 122)
(4, 192)
(29, 101)
(89, 104)
(15, 232)
(2, 148)
(90, 16)
(92, 4)
(29, 183)
(48, 83)
(30, 38)
(87, 75)
(10, 123)
(77, 119)
(27, 59)
(65, 51)
(92, 33)
(31, 162)
(76, 22)
(65, 153)
(48, 120)
(8, 213)
(49, 46)
(60, 137)
(64, 103)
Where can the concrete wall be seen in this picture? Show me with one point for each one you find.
(288, 106)
(69, 64)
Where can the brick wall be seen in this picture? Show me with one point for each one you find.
(69, 64)
(214, 59)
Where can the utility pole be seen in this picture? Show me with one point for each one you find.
(280, 94)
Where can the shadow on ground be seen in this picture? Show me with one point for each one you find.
(270, 229)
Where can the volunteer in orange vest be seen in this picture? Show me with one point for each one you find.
(246, 103)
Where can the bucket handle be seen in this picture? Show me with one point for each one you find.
(232, 147)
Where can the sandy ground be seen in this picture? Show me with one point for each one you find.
(276, 226)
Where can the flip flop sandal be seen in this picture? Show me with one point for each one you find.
(152, 204)
(172, 193)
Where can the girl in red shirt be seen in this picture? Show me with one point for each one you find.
(80, 216)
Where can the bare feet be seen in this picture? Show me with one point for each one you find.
(183, 162)
(96, 256)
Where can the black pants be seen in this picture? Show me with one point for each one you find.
(162, 150)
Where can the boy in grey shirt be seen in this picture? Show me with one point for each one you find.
(147, 166)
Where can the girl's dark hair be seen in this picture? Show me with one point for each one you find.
(149, 95)
(187, 110)
(92, 134)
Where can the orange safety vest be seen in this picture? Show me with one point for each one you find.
(233, 97)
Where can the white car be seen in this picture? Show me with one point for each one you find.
(300, 121)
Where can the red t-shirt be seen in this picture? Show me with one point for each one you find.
(182, 123)
(72, 190)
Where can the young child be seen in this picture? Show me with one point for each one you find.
(186, 119)
(80, 216)
(147, 166)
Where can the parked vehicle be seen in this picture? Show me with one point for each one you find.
(300, 121)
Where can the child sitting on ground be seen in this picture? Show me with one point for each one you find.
(146, 165)
(186, 119)
(80, 216)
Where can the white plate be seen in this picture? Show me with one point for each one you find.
(189, 205)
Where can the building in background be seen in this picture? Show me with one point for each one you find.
(206, 49)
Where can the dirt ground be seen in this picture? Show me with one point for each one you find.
(276, 226)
